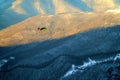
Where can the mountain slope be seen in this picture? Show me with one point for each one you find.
(60, 25)
(42, 60)
(19, 10)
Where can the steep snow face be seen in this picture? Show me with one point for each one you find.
(77, 3)
(18, 10)
(33, 7)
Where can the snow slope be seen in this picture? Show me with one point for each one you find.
(15, 11)
(58, 26)
(43, 60)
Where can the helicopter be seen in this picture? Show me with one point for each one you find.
(42, 28)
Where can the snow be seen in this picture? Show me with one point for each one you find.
(113, 11)
(90, 63)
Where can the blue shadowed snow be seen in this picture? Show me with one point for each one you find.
(1, 1)
(48, 6)
(79, 4)
(4, 4)
(117, 2)
(5, 20)
(27, 5)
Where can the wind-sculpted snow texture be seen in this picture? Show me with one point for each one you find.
(53, 59)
